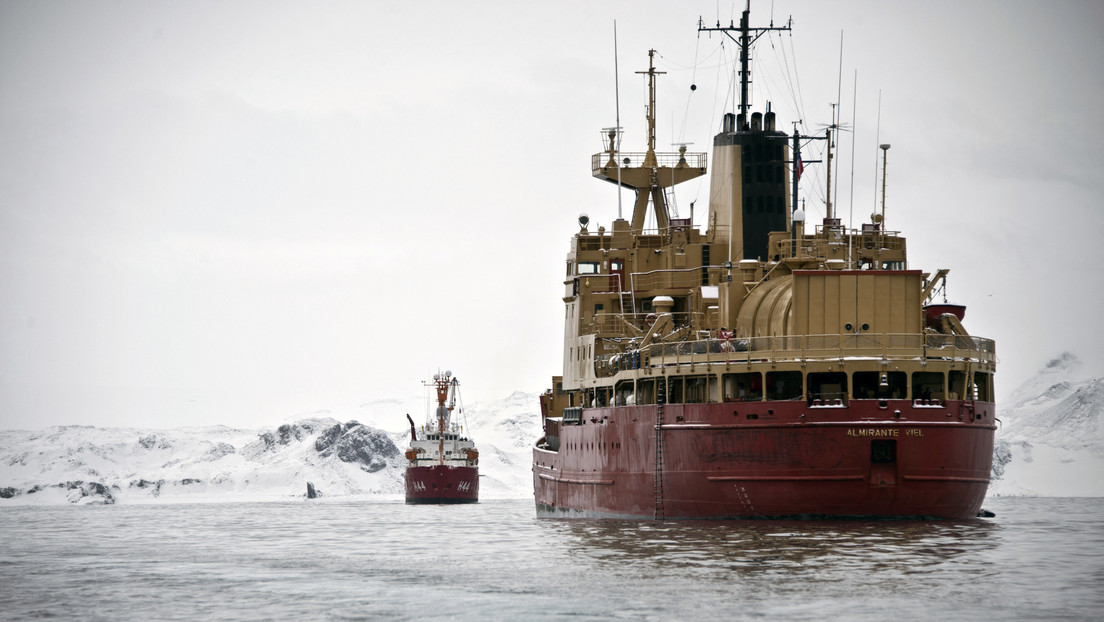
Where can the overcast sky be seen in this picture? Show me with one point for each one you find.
(233, 212)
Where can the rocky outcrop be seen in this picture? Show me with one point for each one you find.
(88, 493)
(153, 441)
(1002, 455)
(352, 442)
(218, 451)
(284, 436)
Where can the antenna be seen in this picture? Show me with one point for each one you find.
(617, 103)
(885, 153)
(828, 192)
(877, 138)
(835, 120)
(851, 199)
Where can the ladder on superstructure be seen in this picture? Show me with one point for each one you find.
(661, 393)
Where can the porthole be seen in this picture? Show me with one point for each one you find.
(865, 326)
(848, 327)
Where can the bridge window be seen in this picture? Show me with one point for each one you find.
(743, 387)
(696, 390)
(880, 385)
(783, 385)
(983, 384)
(927, 385)
(602, 396)
(828, 386)
(674, 390)
(588, 267)
(624, 393)
(958, 386)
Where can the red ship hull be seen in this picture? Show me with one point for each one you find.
(442, 484)
(889, 458)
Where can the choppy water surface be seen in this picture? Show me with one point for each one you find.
(356, 560)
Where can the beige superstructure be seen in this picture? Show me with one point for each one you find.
(761, 290)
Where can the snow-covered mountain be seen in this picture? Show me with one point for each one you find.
(84, 464)
(1051, 439)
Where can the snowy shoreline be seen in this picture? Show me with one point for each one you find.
(1050, 444)
(90, 465)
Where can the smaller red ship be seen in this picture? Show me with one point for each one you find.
(442, 465)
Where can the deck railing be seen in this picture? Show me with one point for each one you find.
(802, 348)
(670, 159)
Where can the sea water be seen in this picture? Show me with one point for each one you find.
(328, 559)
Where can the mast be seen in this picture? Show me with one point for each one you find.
(885, 153)
(442, 383)
(748, 36)
(828, 192)
(650, 158)
(648, 173)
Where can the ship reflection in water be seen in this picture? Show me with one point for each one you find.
(822, 550)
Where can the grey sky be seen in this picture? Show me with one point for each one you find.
(231, 212)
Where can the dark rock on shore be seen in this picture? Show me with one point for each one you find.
(372, 449)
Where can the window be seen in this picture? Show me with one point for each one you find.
(927, 385)
(624, 393)
(602, 396)
(880, 385)
(674, 390)
(696, 392)
(983, 386)
(588, 267)
(645, 392)
(957, 385)
(828, 386)
(783, 385)
(742, 387)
